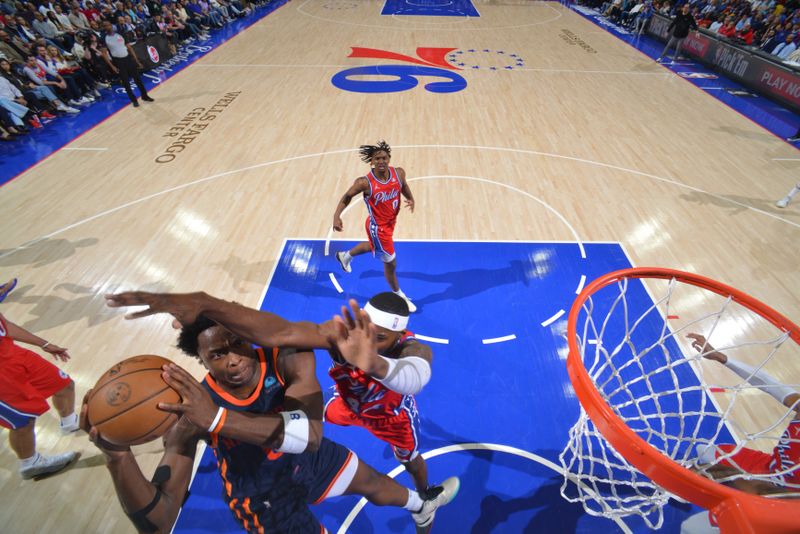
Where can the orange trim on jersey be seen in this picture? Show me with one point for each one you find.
(328, 489)
(275, 352)
(223, 469)
(246, 506)
(221, 422)
(253, 396)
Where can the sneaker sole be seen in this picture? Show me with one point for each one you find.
(49, 474)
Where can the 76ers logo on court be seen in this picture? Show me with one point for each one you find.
(430, 63)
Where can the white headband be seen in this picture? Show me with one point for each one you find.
(390, 321)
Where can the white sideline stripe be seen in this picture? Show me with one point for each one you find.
(581, 284)
(335, 283)
(554, 318)
(785, 159)
(499, 339)
(461, 447)
(86, 149)
(432, 339)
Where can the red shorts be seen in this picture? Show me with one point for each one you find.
(380, 240)
(399, 431)
(748, 460)
(26, 382)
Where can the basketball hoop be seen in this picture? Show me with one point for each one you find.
(647, 407)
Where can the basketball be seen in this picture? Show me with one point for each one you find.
(123, 405)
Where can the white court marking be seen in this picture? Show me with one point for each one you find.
(501, 339)
(461, 447)
(553, 319)
(580, 285)
(432, 339)
(342, 151)
(335, 283)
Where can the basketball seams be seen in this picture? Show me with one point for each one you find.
(129, 408)
(111, 380)
(159, 425)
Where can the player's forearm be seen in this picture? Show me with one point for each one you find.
(261, 430)
(134, 491)
(262, 328)
(20, 334)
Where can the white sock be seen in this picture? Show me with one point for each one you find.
(28, 462)
(414, 503)
(400, 293)
(71, 419)
(793, 192)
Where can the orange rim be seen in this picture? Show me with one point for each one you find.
(734, 510)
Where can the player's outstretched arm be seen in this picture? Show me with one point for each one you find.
(756, 377)
(360, 185)
(406, 190)
(262, 328)
(151, 505)
(18, 333)
(354, 336)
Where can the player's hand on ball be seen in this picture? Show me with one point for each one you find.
(355, 337)
(185, 307)
(108, 449)
(196, 405)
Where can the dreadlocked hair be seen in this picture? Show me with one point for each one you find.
(367, 151)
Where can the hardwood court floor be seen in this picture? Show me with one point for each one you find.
(610, 141)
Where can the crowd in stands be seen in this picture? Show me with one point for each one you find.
(53, 59)
(773, 26)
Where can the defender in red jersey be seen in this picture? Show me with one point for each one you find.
(381, 189)
(784, 461)
(378, 366)
(26, 382)
(261, 411)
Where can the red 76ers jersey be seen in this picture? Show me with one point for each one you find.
(383, 198)
(786, 454)
(364, 395)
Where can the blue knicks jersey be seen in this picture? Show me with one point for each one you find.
(249, 470)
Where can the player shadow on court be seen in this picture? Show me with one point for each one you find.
(462, 284)
(705, 199)
(44, 252)
(243, 273)
(69, 303)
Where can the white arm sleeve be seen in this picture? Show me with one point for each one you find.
(408, 375)
(760, 379)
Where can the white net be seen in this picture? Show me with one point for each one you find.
(694, 410)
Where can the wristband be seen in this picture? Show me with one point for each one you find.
(295, 432)
(219, 421)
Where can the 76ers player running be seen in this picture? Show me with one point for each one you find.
(381, 188)
(375, 386)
